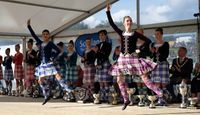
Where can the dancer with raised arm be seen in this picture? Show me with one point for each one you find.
(47, 56)
(128, 63)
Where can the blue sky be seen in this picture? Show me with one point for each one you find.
(152, 11)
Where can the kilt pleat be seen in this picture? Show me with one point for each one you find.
(102, 73)
(18, 72)
(30, 72)
(71, 73)
(45, 70)
(61, 69)
(131, 65)
(8, 74)
(89, 73)
(161, 73)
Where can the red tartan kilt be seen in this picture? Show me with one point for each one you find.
(19, 72)
(30, 72)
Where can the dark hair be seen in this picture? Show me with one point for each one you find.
(117, 47)
(183, 48)
(88, 38)
(45, 30)
(7, 49)
(159, 30)
(17, 45)
(30, 41)
(61, 44)
(103, 31)
(71, 42)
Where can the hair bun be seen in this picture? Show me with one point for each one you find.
(103, 31)
(71, 42)
(30, 40)
(60, 44)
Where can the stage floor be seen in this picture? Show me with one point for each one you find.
(10, 105)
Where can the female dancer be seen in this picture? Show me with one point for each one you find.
(61, 59)
(18, 71)
(89, 69)
(103, 64)
(8, 72)
(160, 75)
(71, 67)
(127, 62)
(46, 68)
(31, 62)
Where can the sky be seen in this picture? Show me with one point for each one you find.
(152, 11)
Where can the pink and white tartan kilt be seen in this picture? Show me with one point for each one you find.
(89, 72)
(1, 73)
(18, 72)
(30, 72)
(131, 65)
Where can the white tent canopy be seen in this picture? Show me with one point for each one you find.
(55, 15)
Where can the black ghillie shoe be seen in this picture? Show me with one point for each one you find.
(46, 100)
(125, 105)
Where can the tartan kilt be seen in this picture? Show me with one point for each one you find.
(45, 70)
(71, 73)
(8, 74)
(161, 73)
(88, 73)
(1, 73)
(131, 65)
(30, 72)
(102, 73)
(61, 69)
(18, 72)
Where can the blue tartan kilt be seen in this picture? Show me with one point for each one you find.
(45, 69)
(8, 74)
(161, 73)
(71, 73)
(61, 69)
(102, 73)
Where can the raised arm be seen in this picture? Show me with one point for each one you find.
(119, 31)
(32, 32)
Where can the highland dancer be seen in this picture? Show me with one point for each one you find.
(47, 57)
(128, 63)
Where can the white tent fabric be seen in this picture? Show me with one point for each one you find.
(54, 15)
